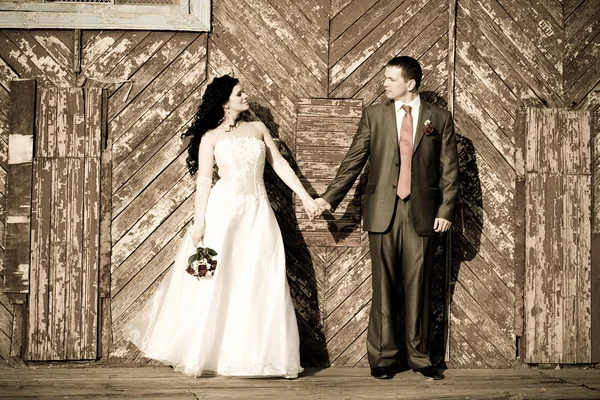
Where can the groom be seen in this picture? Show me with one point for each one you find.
(409, 200)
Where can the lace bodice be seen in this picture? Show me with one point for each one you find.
(241, 163)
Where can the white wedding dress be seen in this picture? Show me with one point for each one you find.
(240, 322)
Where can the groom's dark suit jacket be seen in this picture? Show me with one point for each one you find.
(434, 181)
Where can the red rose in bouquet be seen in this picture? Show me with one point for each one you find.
(201, 263)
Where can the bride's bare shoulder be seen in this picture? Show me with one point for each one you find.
(259, 128)
(211, 137)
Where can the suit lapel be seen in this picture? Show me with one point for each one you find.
(424, 115)
(390, 122)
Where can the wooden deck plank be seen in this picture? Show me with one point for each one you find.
(154, 382)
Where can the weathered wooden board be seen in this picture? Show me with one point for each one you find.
(159, 382)
(316, 119)
(63, 312)
(15, 268)
(558, 281)
(582, 47)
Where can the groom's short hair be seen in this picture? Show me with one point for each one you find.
(411, 69)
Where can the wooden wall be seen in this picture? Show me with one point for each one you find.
(505, 56)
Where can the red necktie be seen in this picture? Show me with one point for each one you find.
(406, 148)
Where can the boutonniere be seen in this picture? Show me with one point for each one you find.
(429, 128)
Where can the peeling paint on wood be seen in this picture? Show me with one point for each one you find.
(16, 262)
(317, 119)
(63, 312)
(558, 237)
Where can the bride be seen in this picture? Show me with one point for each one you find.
(241, 321)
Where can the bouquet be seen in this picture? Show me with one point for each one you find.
(201, 264)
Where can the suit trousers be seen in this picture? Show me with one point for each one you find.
(400, 252)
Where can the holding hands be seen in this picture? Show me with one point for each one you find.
(323, 206)
(315, 207)
(311, 207)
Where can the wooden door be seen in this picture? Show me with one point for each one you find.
(558, 236)
(63, 304)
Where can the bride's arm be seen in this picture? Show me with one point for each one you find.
(203, 185)
(286, 173)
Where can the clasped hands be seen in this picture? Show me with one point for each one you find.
(315, 207)
(318, 206)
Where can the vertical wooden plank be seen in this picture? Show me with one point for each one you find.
(41, 140)
(554, 137)
(584, 271)
(520, 226)
(19, 303)
(38, 310)
(32, 330)
(106, 322)
(59, 264)
(21, 119)
(105, 250)
(557, 265)
(93, 116)
(595, 273)
(546, 272)
(571, 249)
(74, 257)
(572, 143)
(78, 133)
(91, 230)
(77, 51)
(532, 197)
(45, 220)
(105, 205)
(62, 136)
(584, 126)
(52, 263)
(531, 161)
(51, 117)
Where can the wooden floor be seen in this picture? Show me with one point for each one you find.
(333, 383)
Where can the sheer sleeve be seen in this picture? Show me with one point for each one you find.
(203, 186)
(288, 176)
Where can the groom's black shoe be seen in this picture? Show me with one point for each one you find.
(430, 373)
(383, 372)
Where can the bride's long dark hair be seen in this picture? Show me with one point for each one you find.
(209, 115)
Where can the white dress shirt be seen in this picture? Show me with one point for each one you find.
(414, 111)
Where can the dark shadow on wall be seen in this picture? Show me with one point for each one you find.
(300, 267)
